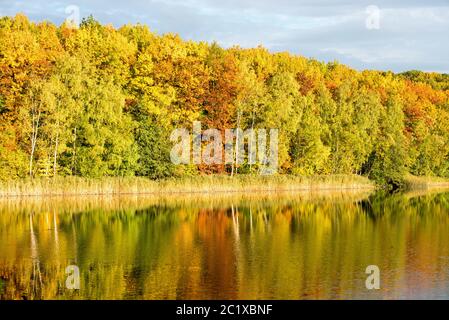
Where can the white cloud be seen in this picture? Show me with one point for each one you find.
(411, 36)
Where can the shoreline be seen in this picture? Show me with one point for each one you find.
(218, 192)
(200, 185)
(213, 184)
(425, 183)
(78, 203)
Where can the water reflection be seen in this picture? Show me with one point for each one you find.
(293, 246)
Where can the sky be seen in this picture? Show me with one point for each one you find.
(397, 35)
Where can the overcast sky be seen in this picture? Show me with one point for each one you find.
(393, 35)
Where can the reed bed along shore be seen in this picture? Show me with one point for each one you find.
(70, 186)
(415, 183)
(212, 201)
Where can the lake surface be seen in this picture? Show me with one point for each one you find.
(292, 246)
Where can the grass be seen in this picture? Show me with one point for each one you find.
(188, 201)
(414, 182)
(66, 186)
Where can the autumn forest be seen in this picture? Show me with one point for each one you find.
(96, 101)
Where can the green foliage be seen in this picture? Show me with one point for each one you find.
(97, 101)
(388, 159)
(439, 81)
(154, 150)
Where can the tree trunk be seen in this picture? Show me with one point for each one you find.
(237, 142)
(251, 144)
(35, 129)
(55, 156)
(74, 153)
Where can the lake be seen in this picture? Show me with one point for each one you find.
(285, 246)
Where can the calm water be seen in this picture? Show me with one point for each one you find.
(300, 246)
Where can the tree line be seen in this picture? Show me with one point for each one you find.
(96, 101)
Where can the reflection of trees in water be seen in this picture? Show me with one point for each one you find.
(35, 291)
(55, 230)
(37, 270)
(266, 249)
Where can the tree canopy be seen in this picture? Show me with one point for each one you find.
(98, 101)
